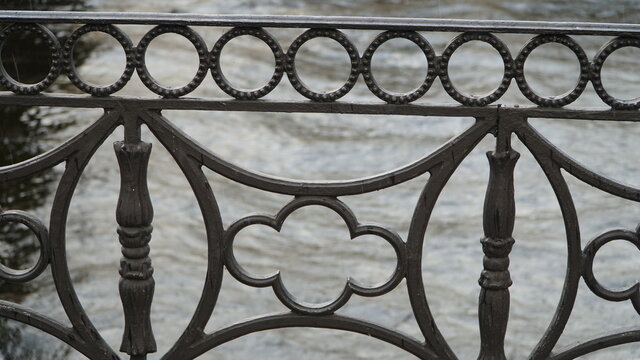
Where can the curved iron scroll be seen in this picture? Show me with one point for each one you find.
(134, 213)
(579, 261)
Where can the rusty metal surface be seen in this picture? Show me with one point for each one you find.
(135, 213)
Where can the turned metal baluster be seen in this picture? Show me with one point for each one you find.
(134, 214)
(498, 221)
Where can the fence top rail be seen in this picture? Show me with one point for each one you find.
(342, 22)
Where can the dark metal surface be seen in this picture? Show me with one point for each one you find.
(134, 212)
(326, 27)
(341, 22)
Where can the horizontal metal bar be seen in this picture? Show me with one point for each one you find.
(423, 109)
(573, 113)
(84, 101)
(341, 22)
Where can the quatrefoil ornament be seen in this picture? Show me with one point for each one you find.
(631, 293)
(275, 280)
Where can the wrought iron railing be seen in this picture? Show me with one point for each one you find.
(134, 210)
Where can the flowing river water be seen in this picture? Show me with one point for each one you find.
(313, 251)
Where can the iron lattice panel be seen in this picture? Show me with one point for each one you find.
(135, 213)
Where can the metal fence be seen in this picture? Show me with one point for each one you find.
(134, 212)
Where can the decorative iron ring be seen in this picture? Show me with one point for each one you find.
(552, 101)
(190, 35)
(70, 66)
(633, 292)
(292, 73)
(54, 46)
(378, 91)
(596, 73)
(222, 81)
(41, 233)
(474, 100)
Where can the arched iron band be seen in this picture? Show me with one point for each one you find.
(275, 280)
(529, 134)
(214, 232)
(71, 304)
(415, 244)
(47, 325)
(603, 342)
(467, 140)
(574, 249)
(61, 153)
(288, 320)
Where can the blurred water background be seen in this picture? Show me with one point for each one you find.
(312, 251)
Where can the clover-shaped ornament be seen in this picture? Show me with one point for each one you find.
(275, 280)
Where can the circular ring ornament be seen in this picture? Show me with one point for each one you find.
(221, 80)
(596, 73)
(552, 101)
(72, 72)
(428, 52)
(473, 100)
(290, 66)
(41, 233)
(54, 47)
(150, 82)
(632, 293)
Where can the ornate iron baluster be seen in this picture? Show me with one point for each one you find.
(134, 214)
(499, 213)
